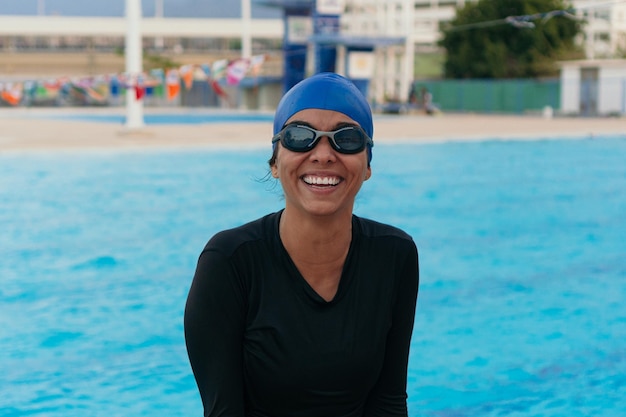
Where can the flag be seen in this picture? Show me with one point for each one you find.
(156, 82)
(236, 71)
(186, 73)
(218, 89)
(199, 73)
(256, 62)
(12, 93)
(114, 86)
(172, 81)
(139, 92)
(207, 70)
(218, 69)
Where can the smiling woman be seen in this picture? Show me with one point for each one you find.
(307, 311)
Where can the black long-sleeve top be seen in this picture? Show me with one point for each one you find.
(263, 343)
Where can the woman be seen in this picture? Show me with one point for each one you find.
(308, 311)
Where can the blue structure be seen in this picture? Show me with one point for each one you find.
(317, 22)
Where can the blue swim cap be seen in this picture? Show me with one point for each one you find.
(326, 91)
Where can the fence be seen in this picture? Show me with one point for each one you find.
(519, 96)
(492, 96)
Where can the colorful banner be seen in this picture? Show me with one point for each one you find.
(99, 90)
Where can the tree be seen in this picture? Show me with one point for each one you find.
(510, 39)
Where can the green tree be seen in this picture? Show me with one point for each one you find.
(510, 39)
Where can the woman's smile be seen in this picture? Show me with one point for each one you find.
(318, 180)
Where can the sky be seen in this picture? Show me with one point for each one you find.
(172, 8)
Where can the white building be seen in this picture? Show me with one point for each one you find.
(419, 22)
(604, 33)
(593, 87)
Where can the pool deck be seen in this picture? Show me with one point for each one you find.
(47, 130)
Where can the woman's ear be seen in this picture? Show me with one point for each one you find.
(274, 171)
(368, 173)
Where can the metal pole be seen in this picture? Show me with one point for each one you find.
(408, 67)
(246, 41)
(158, 13)
(134, 107)
(624, 97)
(158, 8)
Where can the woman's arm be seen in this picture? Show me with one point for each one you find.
(214, 323)
(388, 398)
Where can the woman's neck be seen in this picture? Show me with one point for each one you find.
(318, 247)
(316, 239)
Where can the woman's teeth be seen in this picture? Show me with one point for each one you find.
(313, 180)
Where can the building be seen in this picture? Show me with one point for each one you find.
(80, 46)
(595, 87)
(417, 22)
(374, 40)
(605, 31)
(420, 21)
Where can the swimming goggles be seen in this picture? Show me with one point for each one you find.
(301, 138)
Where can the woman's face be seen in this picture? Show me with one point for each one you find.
(322, 181)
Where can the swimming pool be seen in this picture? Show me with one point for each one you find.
(521, 307)
(156, 117)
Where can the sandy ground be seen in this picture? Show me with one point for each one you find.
(43, 130)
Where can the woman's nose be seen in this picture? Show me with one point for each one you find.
(323, 151)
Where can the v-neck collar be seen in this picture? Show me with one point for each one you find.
(301, 286)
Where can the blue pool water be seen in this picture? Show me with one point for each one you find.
(523, 265)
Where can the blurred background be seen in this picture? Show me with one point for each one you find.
(521, 241)
(523, 56)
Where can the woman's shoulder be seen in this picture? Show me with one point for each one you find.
(227, 241)
(371, 228)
